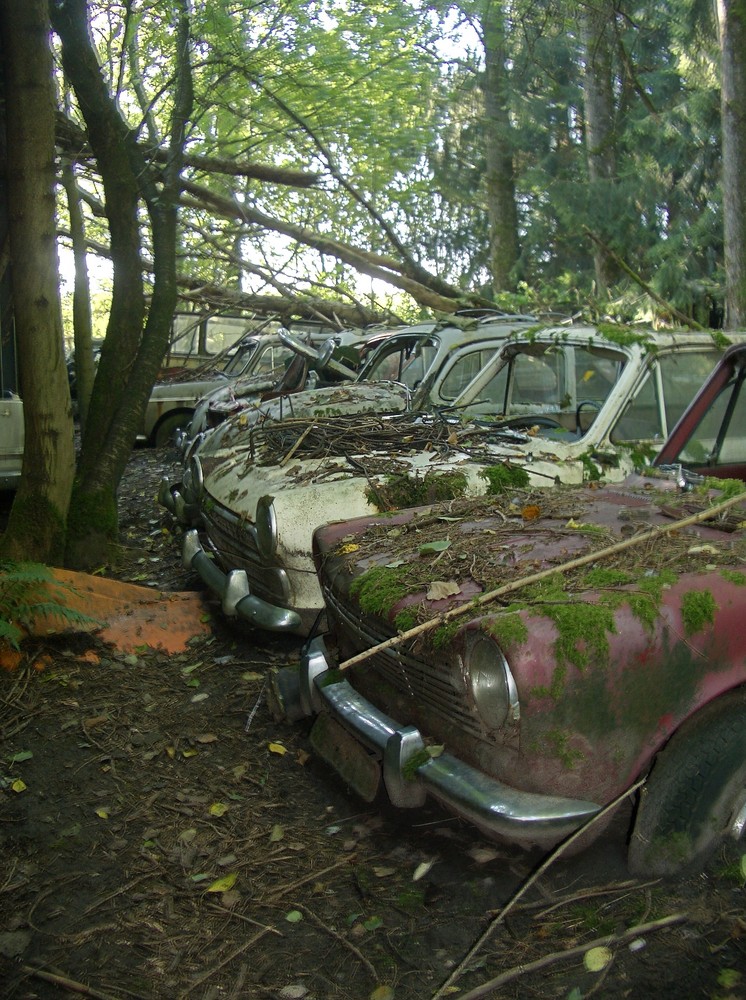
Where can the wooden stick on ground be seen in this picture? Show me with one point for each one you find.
(509, 588)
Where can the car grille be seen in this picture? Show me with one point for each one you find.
(433, 686)
(235, 548)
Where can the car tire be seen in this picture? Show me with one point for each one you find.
(163, 435)
(695, 796)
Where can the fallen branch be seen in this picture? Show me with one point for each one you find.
(339, 939)
(532, 880)
(605, 249)
(509, 588)
(72, 985)
(558, 956)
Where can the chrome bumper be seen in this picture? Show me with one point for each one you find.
(521, 817)
(233, 590)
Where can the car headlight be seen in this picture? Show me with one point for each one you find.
(265, 523)
(493, 687)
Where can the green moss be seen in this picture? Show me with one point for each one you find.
(583, 631)
(35, 531)
(509, 630)
(644, 608)
(600, 577)
(726, 487)
(442, 636)
(625, 336)
(502, 478)
(698, 609)
(560, 747)
(380, 588)
(655, 584)
(720, 340)
(736, 577)
(405, 620)
(591, 471)
(401, 490)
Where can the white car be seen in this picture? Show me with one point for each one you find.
(554, 404)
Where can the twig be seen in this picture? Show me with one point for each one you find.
(301, 438)
(525, 581)
(248, 920)
(604, 942)
(226, 961)
(72, 984)
(548, 861)
(339, 939)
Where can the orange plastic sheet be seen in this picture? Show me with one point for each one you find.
(130, 616)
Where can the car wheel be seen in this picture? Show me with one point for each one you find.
(695, 796)
(164, 432)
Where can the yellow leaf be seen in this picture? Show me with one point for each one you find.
(347, 549)
(206, 738)
(102, 813)
(219, 809)
(277, 748)
(382, 993)
(171, 752)
(596, 959)
(18, 785)
(188, 753)
(223, 884)
(277, 834)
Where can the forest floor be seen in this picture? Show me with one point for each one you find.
(162, 837)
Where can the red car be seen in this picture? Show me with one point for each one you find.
(526, 660)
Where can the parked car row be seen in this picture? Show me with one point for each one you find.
(356, 513)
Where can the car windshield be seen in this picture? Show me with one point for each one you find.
(401, 359)
(257, 358)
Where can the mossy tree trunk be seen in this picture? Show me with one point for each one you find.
(502, 210)
(597, 27)
(37, 520)
(134, 346)
(732, 21)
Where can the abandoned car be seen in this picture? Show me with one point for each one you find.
(261, 355)
(527, 660)
(263, 480)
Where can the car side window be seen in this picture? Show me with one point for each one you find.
(465, 368)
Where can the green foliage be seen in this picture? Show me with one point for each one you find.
(29, 591)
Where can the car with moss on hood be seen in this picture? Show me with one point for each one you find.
(536, 404)
(530, 661)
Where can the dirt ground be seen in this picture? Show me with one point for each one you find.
(162, 837)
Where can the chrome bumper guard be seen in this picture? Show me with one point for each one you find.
(233, 590)
(171, 497)
(490, 804)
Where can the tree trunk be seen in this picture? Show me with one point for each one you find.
(36, 527)
(85, 368)
(132, 351)
(597, 24)
(502, 212)
(732, 22)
